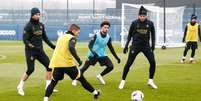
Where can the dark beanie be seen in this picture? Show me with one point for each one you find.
(142, 11)
(193, 16)
(34, 11)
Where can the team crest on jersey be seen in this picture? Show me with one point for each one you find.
(37, 32)
(32, 58)
(41, 27)
(147, 25)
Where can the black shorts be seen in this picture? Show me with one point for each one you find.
(103, 61)
(72, 72)
(40, 56)
(191, 45)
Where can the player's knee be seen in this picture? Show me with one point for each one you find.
(81, 77)
(186, 49)
(30, 71)
(110, 67)
(152, 62)
(49, 69)
(193, 49)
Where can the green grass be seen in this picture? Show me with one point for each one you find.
(176, 82)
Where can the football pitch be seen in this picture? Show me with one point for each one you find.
(175, 81)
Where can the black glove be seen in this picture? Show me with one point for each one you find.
(125, 50)
(118, 60)
(80, 63)
(53, 47)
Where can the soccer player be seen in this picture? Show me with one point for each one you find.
(191, 35)
(139, 32)
(34, 33)
(63, 62)
(97, 47)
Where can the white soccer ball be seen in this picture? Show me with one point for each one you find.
(137, 95)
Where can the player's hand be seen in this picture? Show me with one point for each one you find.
(80, 63)
(125, 50)
(118, 60)
(53, 47)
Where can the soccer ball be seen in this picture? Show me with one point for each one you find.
(137, 95)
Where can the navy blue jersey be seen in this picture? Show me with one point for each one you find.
(140, 33)
(34, 33)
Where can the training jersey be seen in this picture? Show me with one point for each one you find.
(62, 56)
(100, 45)
(192, 33)
(140, 33)
(34, 33)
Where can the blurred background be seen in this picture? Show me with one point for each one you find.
(58, 14)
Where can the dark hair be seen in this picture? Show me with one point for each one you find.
(74, 27)
(193, 16)
(105, 23)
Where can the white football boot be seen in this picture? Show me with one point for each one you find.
(151, 84)
(192, 61)
(183, 59)
(100, 78)
(74, 82)
(45, 99)
(20, 90)
(122, 83)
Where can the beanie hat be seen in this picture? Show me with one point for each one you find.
(34, 11)
(142, 11)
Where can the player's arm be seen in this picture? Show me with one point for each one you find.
(199, 33)
(71, 46)
(26, 36)
(153, 35)
(91, 44)
(109, 44)
(45, 38)
(186, 28)
(131, 30)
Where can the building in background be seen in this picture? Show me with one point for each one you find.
(58, 14)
